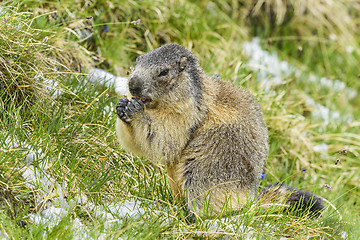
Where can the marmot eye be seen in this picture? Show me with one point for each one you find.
(164, 73)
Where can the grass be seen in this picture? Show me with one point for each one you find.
(75, 131)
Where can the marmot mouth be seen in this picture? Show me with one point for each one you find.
(145, 100)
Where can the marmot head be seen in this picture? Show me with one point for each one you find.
(166, 74)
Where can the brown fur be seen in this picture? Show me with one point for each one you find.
(210, 135)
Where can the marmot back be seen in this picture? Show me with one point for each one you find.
(210, 135)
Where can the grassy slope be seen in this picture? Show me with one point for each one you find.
(78, 136)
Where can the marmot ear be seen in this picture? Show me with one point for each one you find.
(182, 64)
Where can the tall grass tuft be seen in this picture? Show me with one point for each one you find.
(31, 57)
(23, 58)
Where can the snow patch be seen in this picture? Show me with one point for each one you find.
(333, 37)
(51, 87)
(270, 70)
(95, 75)
(343, 235)
(49, 217)
(3, 13)
(54, 197)
(349, 49)
(108, 80)
(321, 147)
(335, 85)
(4, 235)
(231, 227)
(123, 210)
(10, 142)
(320, 112)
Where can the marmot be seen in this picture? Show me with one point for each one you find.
(211, 135)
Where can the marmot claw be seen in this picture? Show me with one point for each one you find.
(125, 109)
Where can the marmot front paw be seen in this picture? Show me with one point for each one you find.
(125, 109)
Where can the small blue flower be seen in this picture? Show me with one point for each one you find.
(303, 169)
(262, 176)
(106, 28)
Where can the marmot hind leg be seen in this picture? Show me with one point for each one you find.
(206, 195)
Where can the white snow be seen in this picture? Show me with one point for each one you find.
(335, 85)
(60, 206)
(3, 235)
(272, 72)
(125, 209)
(231, 226)
(9, 143)
(49, 217)
(349, 49)
(320, 112)
(333, 37)
(343, 235)
(51, 87)
(321, 147)
(95, 75)
(54, 196)
(108, 80)
(115, 211)
(3, 12)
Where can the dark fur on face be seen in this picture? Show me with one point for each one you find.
(163, 71)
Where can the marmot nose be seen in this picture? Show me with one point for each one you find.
(135, 86)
